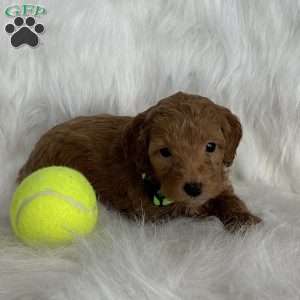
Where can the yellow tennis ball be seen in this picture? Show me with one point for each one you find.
(53, 206)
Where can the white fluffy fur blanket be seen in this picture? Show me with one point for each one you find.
(120, 57)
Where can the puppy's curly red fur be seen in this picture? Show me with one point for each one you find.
(113, 152)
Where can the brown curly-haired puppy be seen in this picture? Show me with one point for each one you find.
(179, 148)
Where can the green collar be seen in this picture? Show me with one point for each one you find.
(153, 190)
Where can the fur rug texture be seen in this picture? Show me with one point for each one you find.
(120, 57)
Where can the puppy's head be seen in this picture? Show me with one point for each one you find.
(184, 143)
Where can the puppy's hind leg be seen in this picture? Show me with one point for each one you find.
(59, 148)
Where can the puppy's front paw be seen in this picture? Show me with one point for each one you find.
(237, 221)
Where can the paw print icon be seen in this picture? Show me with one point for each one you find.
(24, 33)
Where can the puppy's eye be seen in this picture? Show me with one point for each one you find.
(165, 152)
(211, 147)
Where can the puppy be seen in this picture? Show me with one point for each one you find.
(168, 161)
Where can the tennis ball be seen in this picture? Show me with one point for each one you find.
(53, 206)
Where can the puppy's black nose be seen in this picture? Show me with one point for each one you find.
(193, 189)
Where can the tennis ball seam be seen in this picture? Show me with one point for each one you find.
(59, 196)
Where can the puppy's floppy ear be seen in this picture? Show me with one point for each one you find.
(232, 130)
(136, 141)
